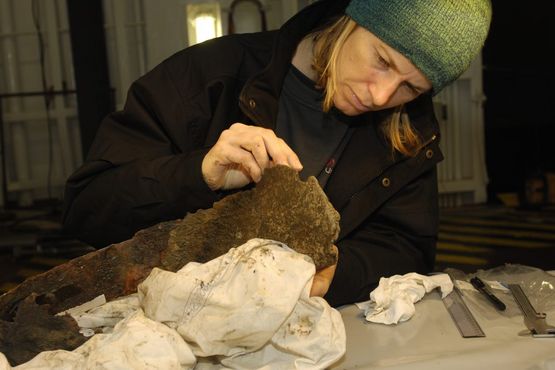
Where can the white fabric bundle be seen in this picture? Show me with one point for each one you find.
(394, 298)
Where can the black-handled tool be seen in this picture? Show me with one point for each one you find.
(484, 289)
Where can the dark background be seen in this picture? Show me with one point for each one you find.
(519, 84)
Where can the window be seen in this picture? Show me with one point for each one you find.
(203, 22)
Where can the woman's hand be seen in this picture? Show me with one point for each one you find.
(322, 279)
(242, 153)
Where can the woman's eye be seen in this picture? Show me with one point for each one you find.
(412, 89)
(382, 61)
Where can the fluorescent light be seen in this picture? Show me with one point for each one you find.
(203, 22)
(205, 28)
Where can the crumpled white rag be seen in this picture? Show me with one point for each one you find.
(394, 298)
(250, 307)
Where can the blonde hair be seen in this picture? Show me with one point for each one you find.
(329, 42)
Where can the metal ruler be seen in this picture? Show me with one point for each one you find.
(461, 315)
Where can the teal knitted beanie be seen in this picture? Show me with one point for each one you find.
(440, 37)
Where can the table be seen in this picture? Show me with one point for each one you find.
(430, 340)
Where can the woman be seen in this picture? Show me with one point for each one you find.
(342, 92)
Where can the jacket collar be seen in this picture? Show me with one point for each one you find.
(265, 88)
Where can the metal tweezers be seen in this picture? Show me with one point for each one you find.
(534, 321)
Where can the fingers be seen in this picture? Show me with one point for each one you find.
(242, 159)
(242, 153)
(322, 281)
(258, 151)
(323, 278)
(228, 167)
(281, 153)
(265, 146)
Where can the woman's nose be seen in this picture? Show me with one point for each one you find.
(382, 90)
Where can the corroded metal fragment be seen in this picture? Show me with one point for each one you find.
(281, 207)
(34, 329)
(113, 271)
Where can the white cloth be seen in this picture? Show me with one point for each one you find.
(394, 298)
(248, 309)
(251, 307)
(106, 316)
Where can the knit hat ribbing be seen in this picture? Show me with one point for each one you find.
(440, 37)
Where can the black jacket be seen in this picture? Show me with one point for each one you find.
(144, 166)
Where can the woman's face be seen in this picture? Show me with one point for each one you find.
(372, 76)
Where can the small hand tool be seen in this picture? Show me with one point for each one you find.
(486, 291)
(534, 321)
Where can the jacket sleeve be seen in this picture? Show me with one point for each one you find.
(399, 238)
(144, 165)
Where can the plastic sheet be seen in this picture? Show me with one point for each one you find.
(537, 284)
